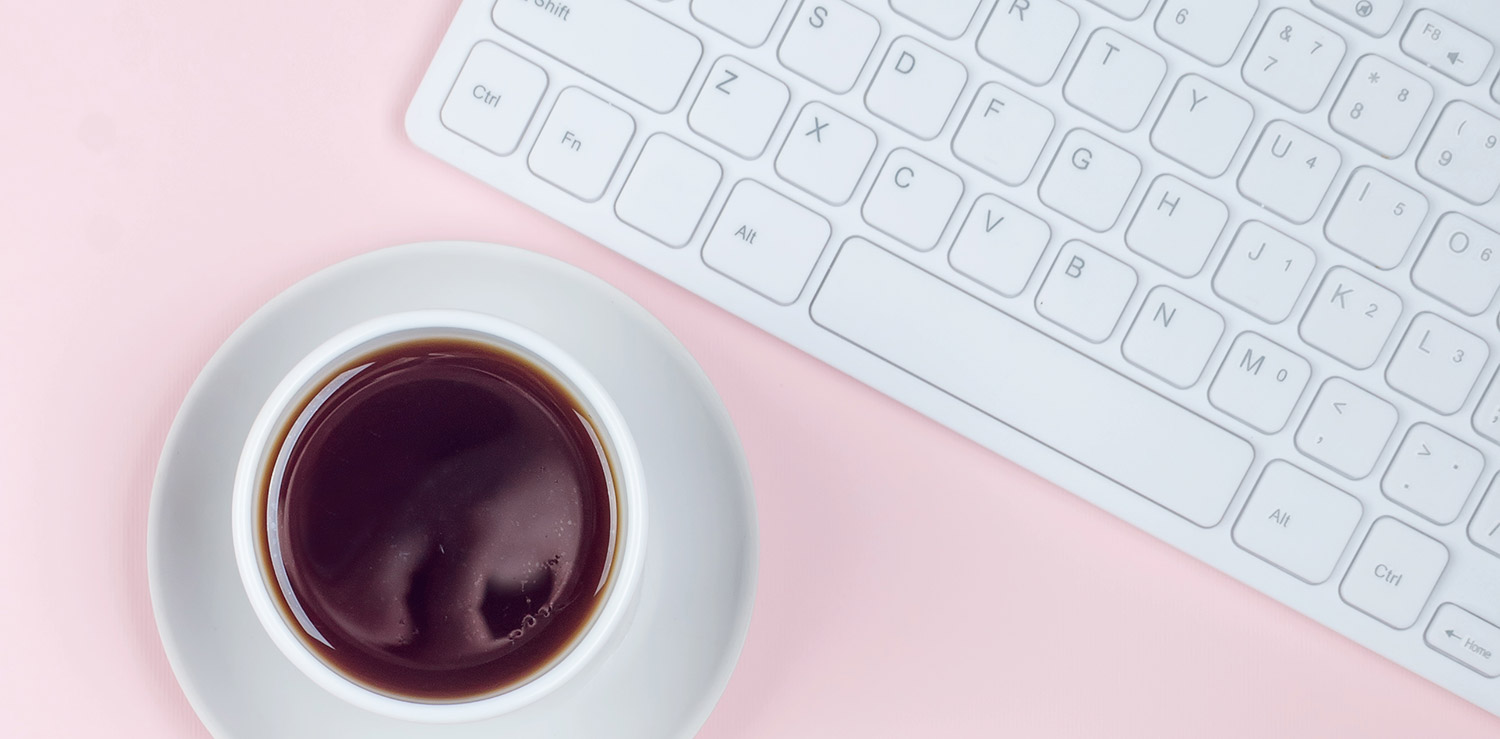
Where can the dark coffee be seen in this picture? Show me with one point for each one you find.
(440, 520)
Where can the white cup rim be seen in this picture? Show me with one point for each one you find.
(397, 328)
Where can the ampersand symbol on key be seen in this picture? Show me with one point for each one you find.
(1286, 33)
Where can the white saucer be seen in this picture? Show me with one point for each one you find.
(699, 582)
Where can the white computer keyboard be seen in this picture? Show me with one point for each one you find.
(1226, 268)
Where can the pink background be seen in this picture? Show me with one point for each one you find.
(167, 166)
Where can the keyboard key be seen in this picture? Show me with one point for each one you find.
(1127, 9)
(829, 42)
(1394, 573)
(1289, 171)
(1293, 60)
(668, 190)
(581, 144)
(1297, 522)
(826, 153)
(1487, 415)
(1115, 79)
(916, 87)
(1207, 29)
(746, 21)
(1381, 106)
(1437, 363)
(1350, 318)
(1173, 337)
(1346, 428)
(1259, 382)
(1177, 225)
(1432, 474)
(1202, 125)
(1374, 17)
(766, 242)
(738, 107)
(1028, 39)
(1090, 179)
(1053, 394)
(1447, 47)
(494, 98)
(1460, 265)
(999, 245)
(1470, 640)
(1086, 291)
(621, 45)
(913, 199)
(946, 18)
(1376, 218)
(1462, 154)
(1003, 133)
(1264, 272)
(1484, 528)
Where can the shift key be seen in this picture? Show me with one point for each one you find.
(616, 42)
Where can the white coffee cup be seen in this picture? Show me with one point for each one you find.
(311, 374)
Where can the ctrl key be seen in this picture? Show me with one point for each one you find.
(1468, 639)
(494, 98)
(1394, 573)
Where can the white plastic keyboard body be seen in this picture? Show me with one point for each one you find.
(1225, 268)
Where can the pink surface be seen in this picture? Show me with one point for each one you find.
(169, 166)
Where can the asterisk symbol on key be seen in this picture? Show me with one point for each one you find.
(1374, 77)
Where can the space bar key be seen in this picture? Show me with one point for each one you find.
(1032, 382)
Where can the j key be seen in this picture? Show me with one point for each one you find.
(1115, 79)
(1350, 318)
(1376, 218)
(619, 44)
(829, 42)
(1003, 133)
(1346, 428)
(913, 199)
(1086, 291)
(1447, 47)
(746, 21)
(738, 107)
(1264, 272)
(1297, 522)
(1394, 573)
(916, 87)
(1289, 171)
(1437, 363)
(1028, 39)
(826, 153)
(1381, 106)
(1462, 154)
(999, 245)
(1293, 60)
(766, 242)
(1259, 382)
(1173, 336)
(1371, 16)
(1177, 225)
(1090, 179)
(1202, 125)
(946, 18)
(1460, 264)
(1207, 29)
(1432, 474)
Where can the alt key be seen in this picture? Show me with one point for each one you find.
(1468, 639)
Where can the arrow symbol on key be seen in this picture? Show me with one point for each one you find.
(1339, 408)
(1452, 635)
(1425, 452)
(1452, 57)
